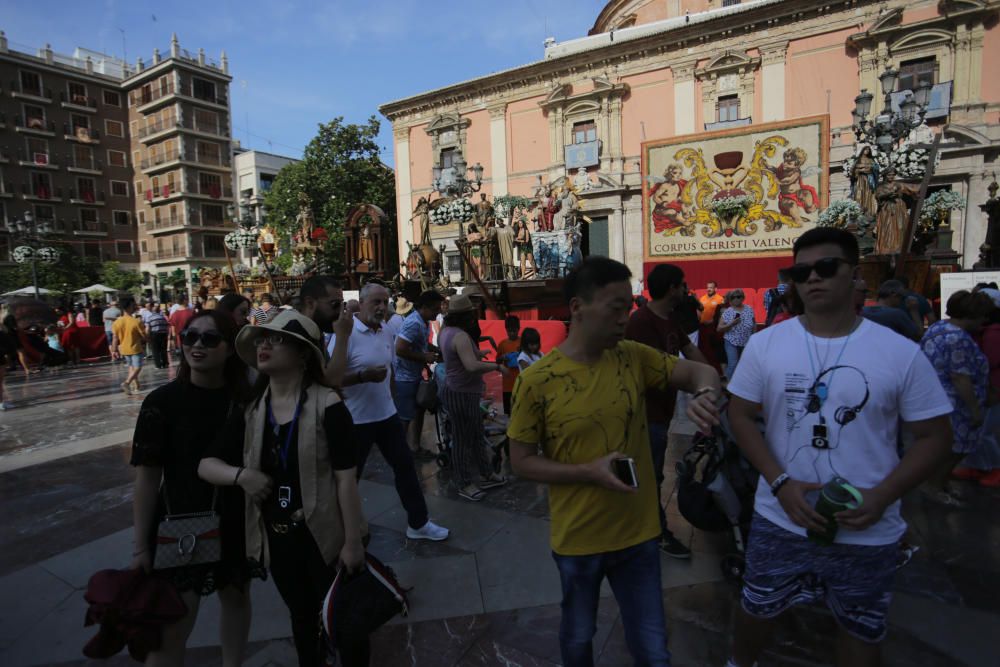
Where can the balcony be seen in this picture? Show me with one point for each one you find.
(164, 194)
(146, 101)
(211, 130)
(158, 130)
(212, 191)
(84, 166)
(94, 228)
(35, 125)
(37, 160)
(86, 197)
(161, 161)
(186, 90)
(171, 158)
(41, 193)
(35, 94)
(169, 224)
(159, 255)
(197, 220)
(726, 124)
(78, 102)
(84, 135)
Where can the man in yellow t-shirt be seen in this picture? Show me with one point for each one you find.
(575, 412)
(128, 340)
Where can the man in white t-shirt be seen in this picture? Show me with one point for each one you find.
(833, 389)
(366, 387)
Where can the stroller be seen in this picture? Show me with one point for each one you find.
(715, 491)
(494, 427)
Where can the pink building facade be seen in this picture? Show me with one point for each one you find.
(656, 69)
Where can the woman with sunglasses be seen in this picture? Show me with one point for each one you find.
(293, 453)
(176, 424)
(736, 326)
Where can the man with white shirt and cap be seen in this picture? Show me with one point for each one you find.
(365, 385)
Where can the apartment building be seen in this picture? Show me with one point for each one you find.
(255, 173)
(124, 162)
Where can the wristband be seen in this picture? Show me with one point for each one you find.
(703, 391)
(779, 482)
(236, 480)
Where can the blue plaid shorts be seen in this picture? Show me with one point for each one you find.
(785, 569)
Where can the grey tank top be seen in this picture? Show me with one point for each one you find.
(456, 377)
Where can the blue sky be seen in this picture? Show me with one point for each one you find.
(295, 64)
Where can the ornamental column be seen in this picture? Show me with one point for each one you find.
(684, 102)
(772, 81)
(404, 192)
(498, 148)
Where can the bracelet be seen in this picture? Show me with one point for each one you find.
(779, 482)
(703, 391)
(236, 480)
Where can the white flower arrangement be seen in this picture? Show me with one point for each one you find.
(910, 163)
(441, 215)
(241, 238)
(462, 210)
(840, 213)
(729, 206)
(939, 203)
(22, 254)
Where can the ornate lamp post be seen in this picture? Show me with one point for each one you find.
(457, 184)
(249, 219)
(890, 127)
(31, 233)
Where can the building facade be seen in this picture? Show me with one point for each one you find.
(126, 163)
(255, 173)
(656, 69)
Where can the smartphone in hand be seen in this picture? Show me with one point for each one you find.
(625, 470)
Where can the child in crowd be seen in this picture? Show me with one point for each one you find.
(507, 354)
(531, 348)
(52, 335)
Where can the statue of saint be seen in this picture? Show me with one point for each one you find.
(566, 213)
(422, 215)
(890, 222)
(864, 180)
(581, 181)
(304, 219)
(366, 244)
(549, 207)
(505, 245)
(485, 214)
(522, 240)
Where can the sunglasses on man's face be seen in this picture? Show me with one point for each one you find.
(208, 338)
(824, 268)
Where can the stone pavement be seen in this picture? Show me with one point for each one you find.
(487, 596)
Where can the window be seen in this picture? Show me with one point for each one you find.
(912, 73)
(119, 188)
(454, 262)
(38, 150)
(44, 212)
(210, 184)
(266, 181)
(729, 108)
(88, 217)
(448, 156)
(79, 122)
(86, 190)
(584, 132)
(143, 247)
(124, 248)
(77, 93)
(112, 99)
(83, 157)
(206, 121)
(4, 241)
(213, 215)
(121, 217)
(214, 245)
(116, 158)
(114, 128)
(41, 185)
(31, 84)
(203, 90)
(92, 251)
(142, 218)
(730, 3)
(209, 153)
(34, 117)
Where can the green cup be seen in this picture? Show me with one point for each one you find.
(836, 495)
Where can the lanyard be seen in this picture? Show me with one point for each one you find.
(826, 389)
(283, 452)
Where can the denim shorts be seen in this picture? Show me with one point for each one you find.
(406, 399)
(134, 360)
(785, 569)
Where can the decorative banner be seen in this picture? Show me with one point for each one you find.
(738, 192)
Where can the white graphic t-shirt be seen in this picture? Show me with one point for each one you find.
(846, 395)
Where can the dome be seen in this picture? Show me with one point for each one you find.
(619, 14)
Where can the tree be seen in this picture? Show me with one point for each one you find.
(341, 167)
(126, 280)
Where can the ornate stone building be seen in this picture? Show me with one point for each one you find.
(654, 69)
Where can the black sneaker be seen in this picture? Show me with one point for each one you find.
(674, 548)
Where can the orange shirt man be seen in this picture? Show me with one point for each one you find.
(709, 302)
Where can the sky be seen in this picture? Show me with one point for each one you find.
(296, 64)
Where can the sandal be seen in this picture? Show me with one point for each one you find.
(472, 493)
(493, 482)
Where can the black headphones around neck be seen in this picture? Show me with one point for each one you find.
(844, 415)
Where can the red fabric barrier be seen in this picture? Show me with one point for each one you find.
(93, 342)
(757, 272)
(552, 332)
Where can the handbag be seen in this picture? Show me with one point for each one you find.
(427, 393)
(357, 605)
(188, 539)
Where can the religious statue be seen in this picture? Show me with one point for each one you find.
(422, 215)
(366, 244)
(491, 253)
(890, 221)
(485, 214)
(474, 242)
(581, 181)
(795, 198)
(505, 246)
(549, 207)
(522, 240)
(304, 219)
(668, 210)
(569, 206)
(864, 180)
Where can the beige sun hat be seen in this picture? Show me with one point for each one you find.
(460, 303)
(403, 306)
(287, 322)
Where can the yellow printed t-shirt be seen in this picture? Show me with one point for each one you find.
(577, 413)
(128, 330)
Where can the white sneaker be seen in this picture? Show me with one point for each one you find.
(430, 531)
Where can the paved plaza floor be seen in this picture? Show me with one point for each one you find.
(487, 596)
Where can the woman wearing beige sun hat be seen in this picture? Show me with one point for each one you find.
(298, 471)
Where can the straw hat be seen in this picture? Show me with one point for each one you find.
(288, 323)
(460, 304)
(403, 306)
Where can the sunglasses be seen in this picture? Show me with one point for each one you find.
(207, 338)
(270, 339)
(824, 268)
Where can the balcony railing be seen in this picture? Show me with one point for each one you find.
(161, 158)
(197, 220)
(97, 227)
(37, 158)
(81, 101)
(142, 98)
(726, 124)
(157, 127)
(216, 129)
(213, 191)
(187, 156)
(82, 134)
(90, 164)
(36, 123)
(166, 223)
(43, 192)
(42, 93)
(187, 90)
(87, 196)
(171, 253)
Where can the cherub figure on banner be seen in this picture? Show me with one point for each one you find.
(670, 216)
(795, 198)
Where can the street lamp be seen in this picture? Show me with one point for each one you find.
(31, 234)
(458, 185)
(887, 129)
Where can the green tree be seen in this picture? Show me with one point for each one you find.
(341, 167)
(113, 275)
(71, 272)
